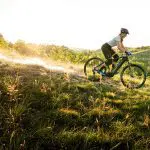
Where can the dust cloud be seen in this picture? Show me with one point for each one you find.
(48, 64)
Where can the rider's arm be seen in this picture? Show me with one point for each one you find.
(121, 47)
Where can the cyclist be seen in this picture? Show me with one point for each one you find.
(109, 52)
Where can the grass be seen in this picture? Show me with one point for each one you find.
(42, 109)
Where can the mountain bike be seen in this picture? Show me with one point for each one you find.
(132, 75)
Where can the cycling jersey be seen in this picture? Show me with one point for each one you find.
(114, 41)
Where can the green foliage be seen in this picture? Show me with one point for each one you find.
(23, 48)
(65, 54)
(58, 53)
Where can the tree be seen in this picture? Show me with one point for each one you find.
(3, 42)
(22, 48)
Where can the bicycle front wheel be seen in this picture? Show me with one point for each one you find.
(133, 76)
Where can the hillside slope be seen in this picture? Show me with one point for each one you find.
(45, 109)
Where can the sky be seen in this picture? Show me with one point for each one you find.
(75, 23)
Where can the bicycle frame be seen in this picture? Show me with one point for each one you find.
(119, 64)
(124, 58)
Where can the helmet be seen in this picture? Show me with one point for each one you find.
(123, 30)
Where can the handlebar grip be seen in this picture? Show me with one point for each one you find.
(128, 53)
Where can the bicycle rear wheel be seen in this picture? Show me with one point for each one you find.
(89, 66)
(133, 76)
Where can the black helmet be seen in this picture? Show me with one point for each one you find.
(123, 30)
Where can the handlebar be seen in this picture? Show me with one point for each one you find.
(128, 53)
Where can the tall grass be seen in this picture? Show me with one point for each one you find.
(43, 109)
(55, 111)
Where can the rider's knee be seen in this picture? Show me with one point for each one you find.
(109, 62)
(116, 57)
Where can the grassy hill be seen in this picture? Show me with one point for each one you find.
(43, 109)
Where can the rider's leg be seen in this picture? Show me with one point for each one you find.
(114, 60)
(115, 57)
(108, 55)
(107, 51)
(109, 64)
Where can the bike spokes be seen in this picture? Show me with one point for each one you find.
(133, 76)
(92, 68)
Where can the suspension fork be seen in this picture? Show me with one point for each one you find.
(129, 64)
